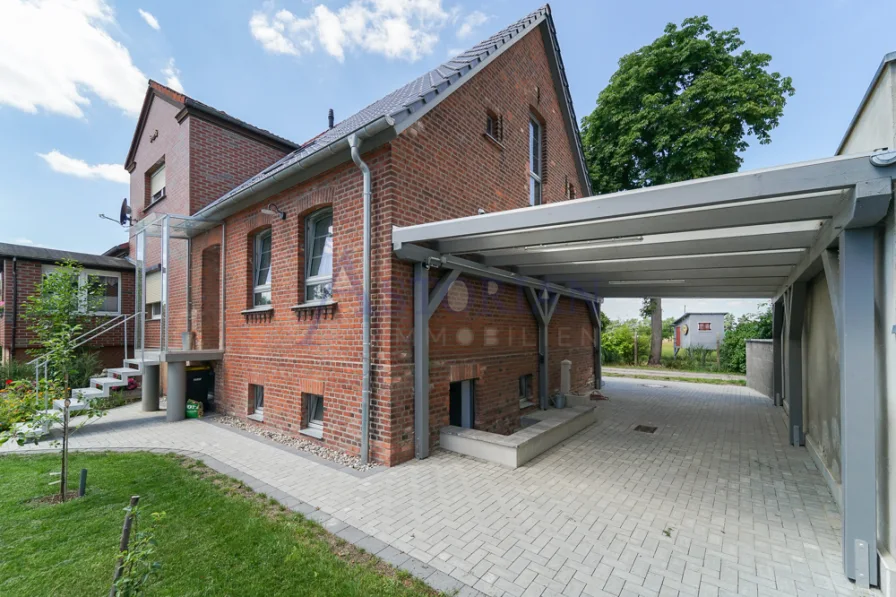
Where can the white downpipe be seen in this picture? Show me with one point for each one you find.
(355, 144)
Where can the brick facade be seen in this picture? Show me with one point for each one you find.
(444, 166)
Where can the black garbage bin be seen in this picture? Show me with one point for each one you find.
(200, 384)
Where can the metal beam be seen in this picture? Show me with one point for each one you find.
(753, 213)
(808, 177)
(778, 351)
(421, 361)
(594, 316)
(440, 291)
(867, 205)
(728, 244)
(584, 280)
(859, 406)
(695, 292)
(752, 259)
(418, 254)
(794, 368)
(543, 314)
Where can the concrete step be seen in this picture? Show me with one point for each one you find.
(107, 382)
(124, 372)
(85, 393)
(30, 430)
(75, 404)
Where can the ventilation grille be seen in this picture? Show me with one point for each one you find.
(645, 428)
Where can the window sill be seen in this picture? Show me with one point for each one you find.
(261, 309)
(312, 432)
(526, 404)
(310, 308)
(263, 313)
(256, 417)
(152, 204)
(493, 140)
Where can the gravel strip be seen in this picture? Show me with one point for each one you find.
(296, 442)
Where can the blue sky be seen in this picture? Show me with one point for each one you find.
(72, 76)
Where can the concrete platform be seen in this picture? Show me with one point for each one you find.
(552, 427)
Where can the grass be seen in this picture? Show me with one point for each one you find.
(709, 380)
(218, 537)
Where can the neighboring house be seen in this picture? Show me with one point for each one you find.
(274, 275)
(699, 330)
(21, 269)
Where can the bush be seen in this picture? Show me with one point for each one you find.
(18, 403)
(85, 365)
(755, 326)
(618, 344)
(16, 371)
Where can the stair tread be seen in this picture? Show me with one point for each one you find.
(74, 404)
(89, 392)
(109, 381)
(124, 371)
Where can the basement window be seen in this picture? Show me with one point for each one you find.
(462, 404)
(256, 394)
(314, 405)
(525, 382)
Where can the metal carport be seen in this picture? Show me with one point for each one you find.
(761, 233)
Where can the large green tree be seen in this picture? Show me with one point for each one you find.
(680, 108)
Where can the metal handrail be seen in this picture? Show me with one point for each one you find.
(105, 327)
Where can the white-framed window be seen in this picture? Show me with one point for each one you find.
(157, 184)
(319, 256)
(108, 285)
(535, 162)
(258, 399)
(155, 310)
(261, 269)
(315, 411)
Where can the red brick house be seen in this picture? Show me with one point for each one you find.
(272, 289)
(21, 269)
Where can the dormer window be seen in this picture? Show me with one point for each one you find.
(157, 184)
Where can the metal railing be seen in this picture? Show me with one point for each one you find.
(92, 334)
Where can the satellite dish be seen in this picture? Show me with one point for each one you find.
(124, 217)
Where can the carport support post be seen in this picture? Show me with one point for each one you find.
(858, 405)
(421, 360)
(543, 314)
(794, 370)
(777, 352)
(594, 315)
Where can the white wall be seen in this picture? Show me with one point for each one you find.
(707, 339)
(875, 127)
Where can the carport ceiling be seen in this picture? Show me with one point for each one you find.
(748, 234)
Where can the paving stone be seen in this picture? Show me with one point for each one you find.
(746, 513)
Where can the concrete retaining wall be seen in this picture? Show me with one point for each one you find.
(760, 367)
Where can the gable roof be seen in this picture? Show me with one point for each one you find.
(406, 105)
(689, 314)
(32, 253)
(189, 105)
(887, 59)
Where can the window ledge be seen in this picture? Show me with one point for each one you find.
(261, 309)
(312, 432)
(526, 404)
(314, 305)
(256, 417)
(493, 140)
(315, 309)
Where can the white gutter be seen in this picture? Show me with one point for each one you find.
(355, 143)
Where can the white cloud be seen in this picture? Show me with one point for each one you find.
(473, 20)
(406, 29)
(55, 52)
(67, 165)
(172, 76)
(150, 19)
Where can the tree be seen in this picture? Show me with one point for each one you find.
(754, 326)
(56, 316)
(653, 309)
(678, 109)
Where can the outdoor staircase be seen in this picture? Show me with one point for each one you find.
(100, 387)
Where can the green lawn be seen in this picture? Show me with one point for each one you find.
(217, 539)
(672, 377)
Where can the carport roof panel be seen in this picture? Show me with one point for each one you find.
(738, 235)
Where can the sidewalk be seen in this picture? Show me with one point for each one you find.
(672, 373)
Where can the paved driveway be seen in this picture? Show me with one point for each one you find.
(713, 503)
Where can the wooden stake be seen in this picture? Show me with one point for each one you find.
(123, 544)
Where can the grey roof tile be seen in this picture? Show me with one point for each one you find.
(31, 253)
(405, 100)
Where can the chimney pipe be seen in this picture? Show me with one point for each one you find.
(330, 117)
